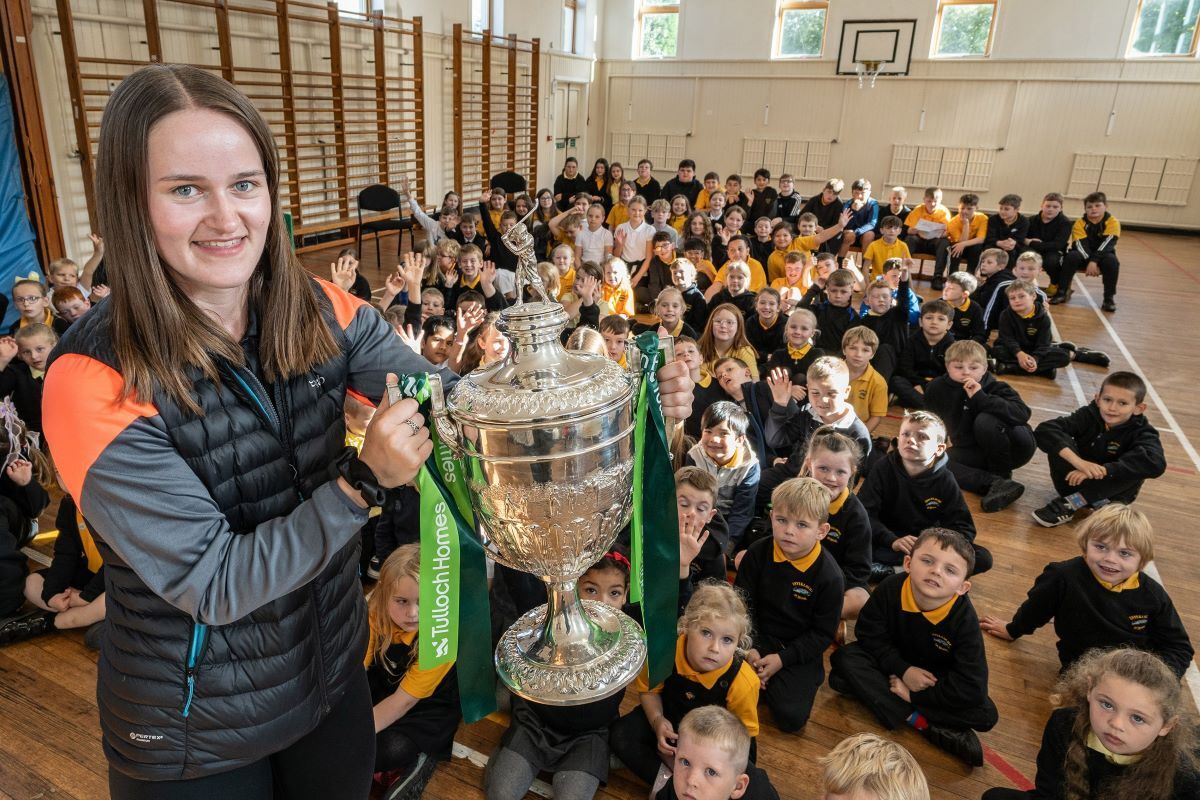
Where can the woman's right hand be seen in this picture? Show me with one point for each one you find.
(397, 442)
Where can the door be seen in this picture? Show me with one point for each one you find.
(568, 121)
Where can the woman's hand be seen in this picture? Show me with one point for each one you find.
(675, 389)
(397, 442)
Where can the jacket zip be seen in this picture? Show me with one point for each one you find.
(199, 638)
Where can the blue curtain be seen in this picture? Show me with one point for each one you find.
(17, 253)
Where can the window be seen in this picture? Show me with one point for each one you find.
(487, 15)
(964, 28)
(658, 28)
(569, 13)
(1165, 28)
(800, 28)
(353, 6)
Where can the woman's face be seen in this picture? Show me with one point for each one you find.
(208, 200)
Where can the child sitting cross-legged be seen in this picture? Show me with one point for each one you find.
(792, 628)
(968, 317)
(712, 761)
(988, 423)
(1100, 453)
(668, 308)
(912, 489)
(710, 670)
(724, 451)
(1102, 599)
(924, 354)
(736, 290)
(1025, 345)
(795, 281)
(867, 766)
(1124, 729)
(918, 658)
(765, 329)
(571, 742)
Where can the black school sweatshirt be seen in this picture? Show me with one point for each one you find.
(998, 230)
(920, 361)
(765, 341)
(983, 294)
(947, 398)
(902, 505)
(1129, 451)
(795, 612)
(1051, 780)
(969, 323)
(1087, 615)
(796, 368)
(1031, 335)
(1052, 236)
(952, 649)
(892, 327)
(849, 539)
(832, 321)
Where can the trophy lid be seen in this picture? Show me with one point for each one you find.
(539, 379)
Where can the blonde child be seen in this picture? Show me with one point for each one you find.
(631, 240)
(616, 290)
(712, 761)
(668, 311)
(868, 767)
(416, 710)
(1102, 599)
(63, 273)
(563, 259)
(566, 227)
(868, 389)
(593, 242)
(736, 289)
(792, 629)
(33, 307)
(795, 281)
(798, 352)
(710, 669)
(725, 335)
(571, 742)
(1123, 729)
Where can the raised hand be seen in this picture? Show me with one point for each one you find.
(470, 319)
(97, 242)
(692, 536)
(487, 274)
(411, 341)
(344, 271)
(780, 384)
(8, 349)
(394, 283)
(405, 186)
(485, 196)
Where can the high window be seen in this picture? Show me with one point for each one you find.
(800, 28)
(570, 12)
(964, 28)
(658, 28)
(1165, 28)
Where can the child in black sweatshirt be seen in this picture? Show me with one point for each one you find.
(765, 328)
(1102, 599)
(993, 272)
(887, 316)
(794, 590)
(1025, 345)
(988, 423)
(1102, 452)
(831, 305)
(919, 657)
(968, 317)
(912, 489)
(924, 354)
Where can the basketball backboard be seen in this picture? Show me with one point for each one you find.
(887, 41)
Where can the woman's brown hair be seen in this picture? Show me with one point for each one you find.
(1153, 776)
(157, 330)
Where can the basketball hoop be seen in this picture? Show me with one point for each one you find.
(867, 71)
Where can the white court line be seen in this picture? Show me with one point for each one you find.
(539, 787)
(1168, 417)
(1192, 676)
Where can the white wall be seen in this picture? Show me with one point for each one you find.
(1056, 72)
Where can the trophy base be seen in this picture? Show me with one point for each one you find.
(595, 664)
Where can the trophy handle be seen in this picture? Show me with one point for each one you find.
(445, 426)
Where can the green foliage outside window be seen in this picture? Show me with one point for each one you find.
(1165, 28)
(965, 30)
(802, 32)
(660, 35)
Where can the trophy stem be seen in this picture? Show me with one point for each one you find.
(568, 637)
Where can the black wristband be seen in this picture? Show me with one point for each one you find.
(359, 475)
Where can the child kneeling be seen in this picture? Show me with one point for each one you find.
(919, 658)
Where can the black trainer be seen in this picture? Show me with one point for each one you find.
(1109, 306)
(1084, 355)
(963, 744)
(411, 785)
(938, 283)
(1068, 346)
(1056, 512)
(1058, 299)
(1001, 494)
(373, 567)
(880, 572)
(838, 683)
(26, 626)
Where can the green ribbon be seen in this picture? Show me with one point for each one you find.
(455, 614)
(654, 527)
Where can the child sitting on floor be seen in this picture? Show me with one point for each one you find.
(918, 658)
(725, 452)
(765, 329)
(868, 389)
(866, 766)
(1102, 452)
(1025, 345)
(712, 761)
(797, 353)
(1102, 599)
(924, 354)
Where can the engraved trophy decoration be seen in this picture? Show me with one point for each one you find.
(547, 439)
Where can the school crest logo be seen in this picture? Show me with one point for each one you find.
(1112, 448)
(933, 503)
(1139, 622)
(801, 590)
(834, 535)
(942, 643)
(862, 394)
(1031, 331)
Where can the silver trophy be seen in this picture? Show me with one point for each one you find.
(547, 437)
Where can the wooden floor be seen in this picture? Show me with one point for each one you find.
(49, 735)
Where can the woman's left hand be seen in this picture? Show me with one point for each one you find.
(675, 388)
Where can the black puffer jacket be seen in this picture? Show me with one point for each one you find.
(235, 618)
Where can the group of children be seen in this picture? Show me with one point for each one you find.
(795, 515)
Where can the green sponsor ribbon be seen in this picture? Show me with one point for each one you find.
(654, 528)
(455, 614)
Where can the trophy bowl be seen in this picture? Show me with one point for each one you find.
(547, 441)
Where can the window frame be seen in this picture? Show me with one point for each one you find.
(782, 7)
(573, 5)
(1137, 21)
(649, 7)
(937, 28)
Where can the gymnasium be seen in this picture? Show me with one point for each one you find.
(380, 110)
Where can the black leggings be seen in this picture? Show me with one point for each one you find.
(333, 761)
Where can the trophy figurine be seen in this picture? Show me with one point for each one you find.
(547, 441)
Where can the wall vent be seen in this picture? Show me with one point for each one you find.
(959, 168)
(804, 160)
(665, 151)
(1156, 180)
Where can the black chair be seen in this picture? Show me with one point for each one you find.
(377, 198)
(511, 182)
